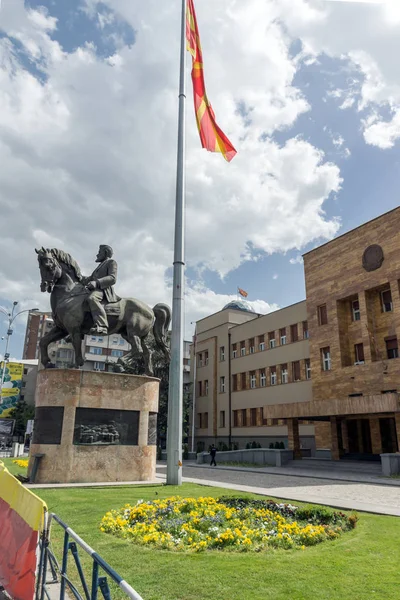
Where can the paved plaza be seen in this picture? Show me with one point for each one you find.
(369, 497)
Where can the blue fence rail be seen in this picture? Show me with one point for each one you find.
(50, 573)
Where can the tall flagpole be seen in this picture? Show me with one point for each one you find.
(175, 394)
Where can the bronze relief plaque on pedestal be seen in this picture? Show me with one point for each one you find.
(106, 427)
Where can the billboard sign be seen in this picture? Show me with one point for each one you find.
(12, 384)
(6, 427)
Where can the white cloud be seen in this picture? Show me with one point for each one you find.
(88, 146)
(297, 260)
(371, 50)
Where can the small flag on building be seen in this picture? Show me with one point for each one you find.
(211, 136)
(242, 292)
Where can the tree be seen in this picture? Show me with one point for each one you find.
(161, 371)
(21, 412)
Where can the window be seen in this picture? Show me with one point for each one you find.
(222, 384)
(222, 418)
(235, 383)
(296, 371)
(93, 338)
(242, 348)
(386, 300)
(261, 343)
(99, 339)
(253, 380)
(244, 417)
(253, 417)
(305, 330)
(200, 360)
(284, 374)
(294, 333)
(200, 420)
(392, 347)
(308, 368)
(243, 381)
(326, 358)
(117, 353)
(359, 354)
(94, 350)
(282, 334)
(205, 420)
(121, 341)
(355, 309)
(251, 346)
(206, 358)
(66, 353)
(200, 388)
(263, 379)
(222, 353)
(99, 366)
(206, 387)
(322, 315)
(273, 375)
(271, 339)
(235, 418)
(115, 339)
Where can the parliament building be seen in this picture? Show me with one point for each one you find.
(321, 376)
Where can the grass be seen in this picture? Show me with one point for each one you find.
(361, 565)
(13, 468)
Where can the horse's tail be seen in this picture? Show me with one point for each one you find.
(162, 313)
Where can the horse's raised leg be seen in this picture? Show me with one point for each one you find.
(148, 358)
(76, 338)
(53, 335)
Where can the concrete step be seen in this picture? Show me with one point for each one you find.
(342, 466)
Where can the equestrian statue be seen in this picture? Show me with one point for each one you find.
(88, 305)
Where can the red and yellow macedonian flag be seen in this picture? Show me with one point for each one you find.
(212, 138)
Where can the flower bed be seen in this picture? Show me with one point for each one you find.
(225, 523)
(21, 462)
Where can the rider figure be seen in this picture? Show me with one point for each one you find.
(100, 284)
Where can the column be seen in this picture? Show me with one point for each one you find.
(397, 419)
(293, 438)
(345, 436)
(375, 430)
(360, 436)
(334, 440)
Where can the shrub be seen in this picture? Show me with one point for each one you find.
(271, 445)
(248, 446)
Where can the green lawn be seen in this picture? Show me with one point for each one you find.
(13, 468)
(361, 565)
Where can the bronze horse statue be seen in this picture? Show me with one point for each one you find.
(131, 318)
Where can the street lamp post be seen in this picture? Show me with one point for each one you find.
(11, 318)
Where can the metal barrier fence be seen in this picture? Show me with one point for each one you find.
(49, 567)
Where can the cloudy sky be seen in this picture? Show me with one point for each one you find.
(307, 90)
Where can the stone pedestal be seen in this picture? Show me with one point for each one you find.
(94, 427)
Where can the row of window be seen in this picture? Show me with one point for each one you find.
(115, 339)
(392, 351)
(260, 378)
(385, 297)
(253, 417)
(99, 351)
(258, 344)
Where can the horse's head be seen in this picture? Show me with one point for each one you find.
(50, 269)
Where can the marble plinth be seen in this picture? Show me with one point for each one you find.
(94, 427)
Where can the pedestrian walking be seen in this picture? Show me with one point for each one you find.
(213, 452)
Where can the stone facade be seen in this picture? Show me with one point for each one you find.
(61, 395)
(353, 312)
